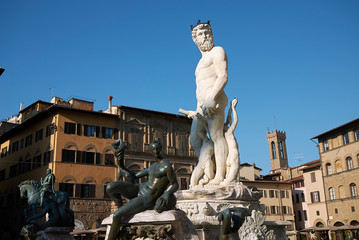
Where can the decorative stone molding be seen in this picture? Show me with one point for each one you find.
(253, 228)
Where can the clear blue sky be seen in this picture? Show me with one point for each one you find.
(297, 60)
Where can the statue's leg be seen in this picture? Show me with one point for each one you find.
(215, 126)
(135, 205)
(117, 189)
(195, 139)
(197, 172)
(34, 208)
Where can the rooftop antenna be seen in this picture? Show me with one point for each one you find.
(297, 156)
(52, 91)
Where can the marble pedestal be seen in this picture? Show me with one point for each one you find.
(153, 225)
(55, 233)
(202, 205)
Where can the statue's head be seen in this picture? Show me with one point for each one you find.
(156, 147)
(48, 171)
(202, 35)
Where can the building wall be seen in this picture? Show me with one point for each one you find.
(317, 210)
(338, 175)
(138, 127)
(277, 199)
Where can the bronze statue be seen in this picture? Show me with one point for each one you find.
(157, 193)
(59, 215)
(232, 219)
(47, 185)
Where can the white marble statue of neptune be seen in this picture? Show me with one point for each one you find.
(211, 78)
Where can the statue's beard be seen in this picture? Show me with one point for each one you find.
(205, 45)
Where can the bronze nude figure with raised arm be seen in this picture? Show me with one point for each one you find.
(157, 193)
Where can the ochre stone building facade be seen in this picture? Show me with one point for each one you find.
(339, 154)
(74, 141)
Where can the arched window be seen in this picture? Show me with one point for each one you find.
(328, 167)
(338, 166)
(273, 150)
(303, 197)
(281, 150)
(331, 193)
(349, 163)
(319, 224)
(353, 190)
(297, 198)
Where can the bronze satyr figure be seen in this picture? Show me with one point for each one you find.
(157, 193)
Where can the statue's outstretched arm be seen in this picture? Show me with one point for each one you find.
(235, 116)
(142, 173)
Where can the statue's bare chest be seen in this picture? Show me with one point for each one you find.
(205, 63)
(158, 171)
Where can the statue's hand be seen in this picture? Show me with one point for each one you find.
(209, 107)
(162, 201)
(234, 102)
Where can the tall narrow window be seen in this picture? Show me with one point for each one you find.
(331, 193)
(349, 163)
(312, 177)
(273, 150)
(353, 190)
(345, 138)
(67, 187)
(328, 166)
(326, 146)
(281, 150)
(356, 134)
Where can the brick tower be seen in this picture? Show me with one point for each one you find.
(277, 149)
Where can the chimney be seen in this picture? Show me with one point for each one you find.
(110, 103)
(21, 106)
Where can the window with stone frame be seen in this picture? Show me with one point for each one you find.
(105, 194)
(36, 161)
(271, 193)
(13, 170)
(67, 187)
(315, 197)
(312, 177)
(281, 149)
(331, 193)
(326, 145)
(28, 140)
(272, 209)
(85, 190)
(109, 159)
(15, 146)
(349, 161)
(356, 134)
(70, 128)
(38, 135)
(305, 215)
(89, 130)
(68, 155)
(273, 150)
(353, 190)
(107, 132)
(48, 156)
(345, 138)
(328, 167)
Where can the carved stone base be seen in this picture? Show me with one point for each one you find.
(152, 225)
(55, 233)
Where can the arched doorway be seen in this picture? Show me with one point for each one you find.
(339, 233)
